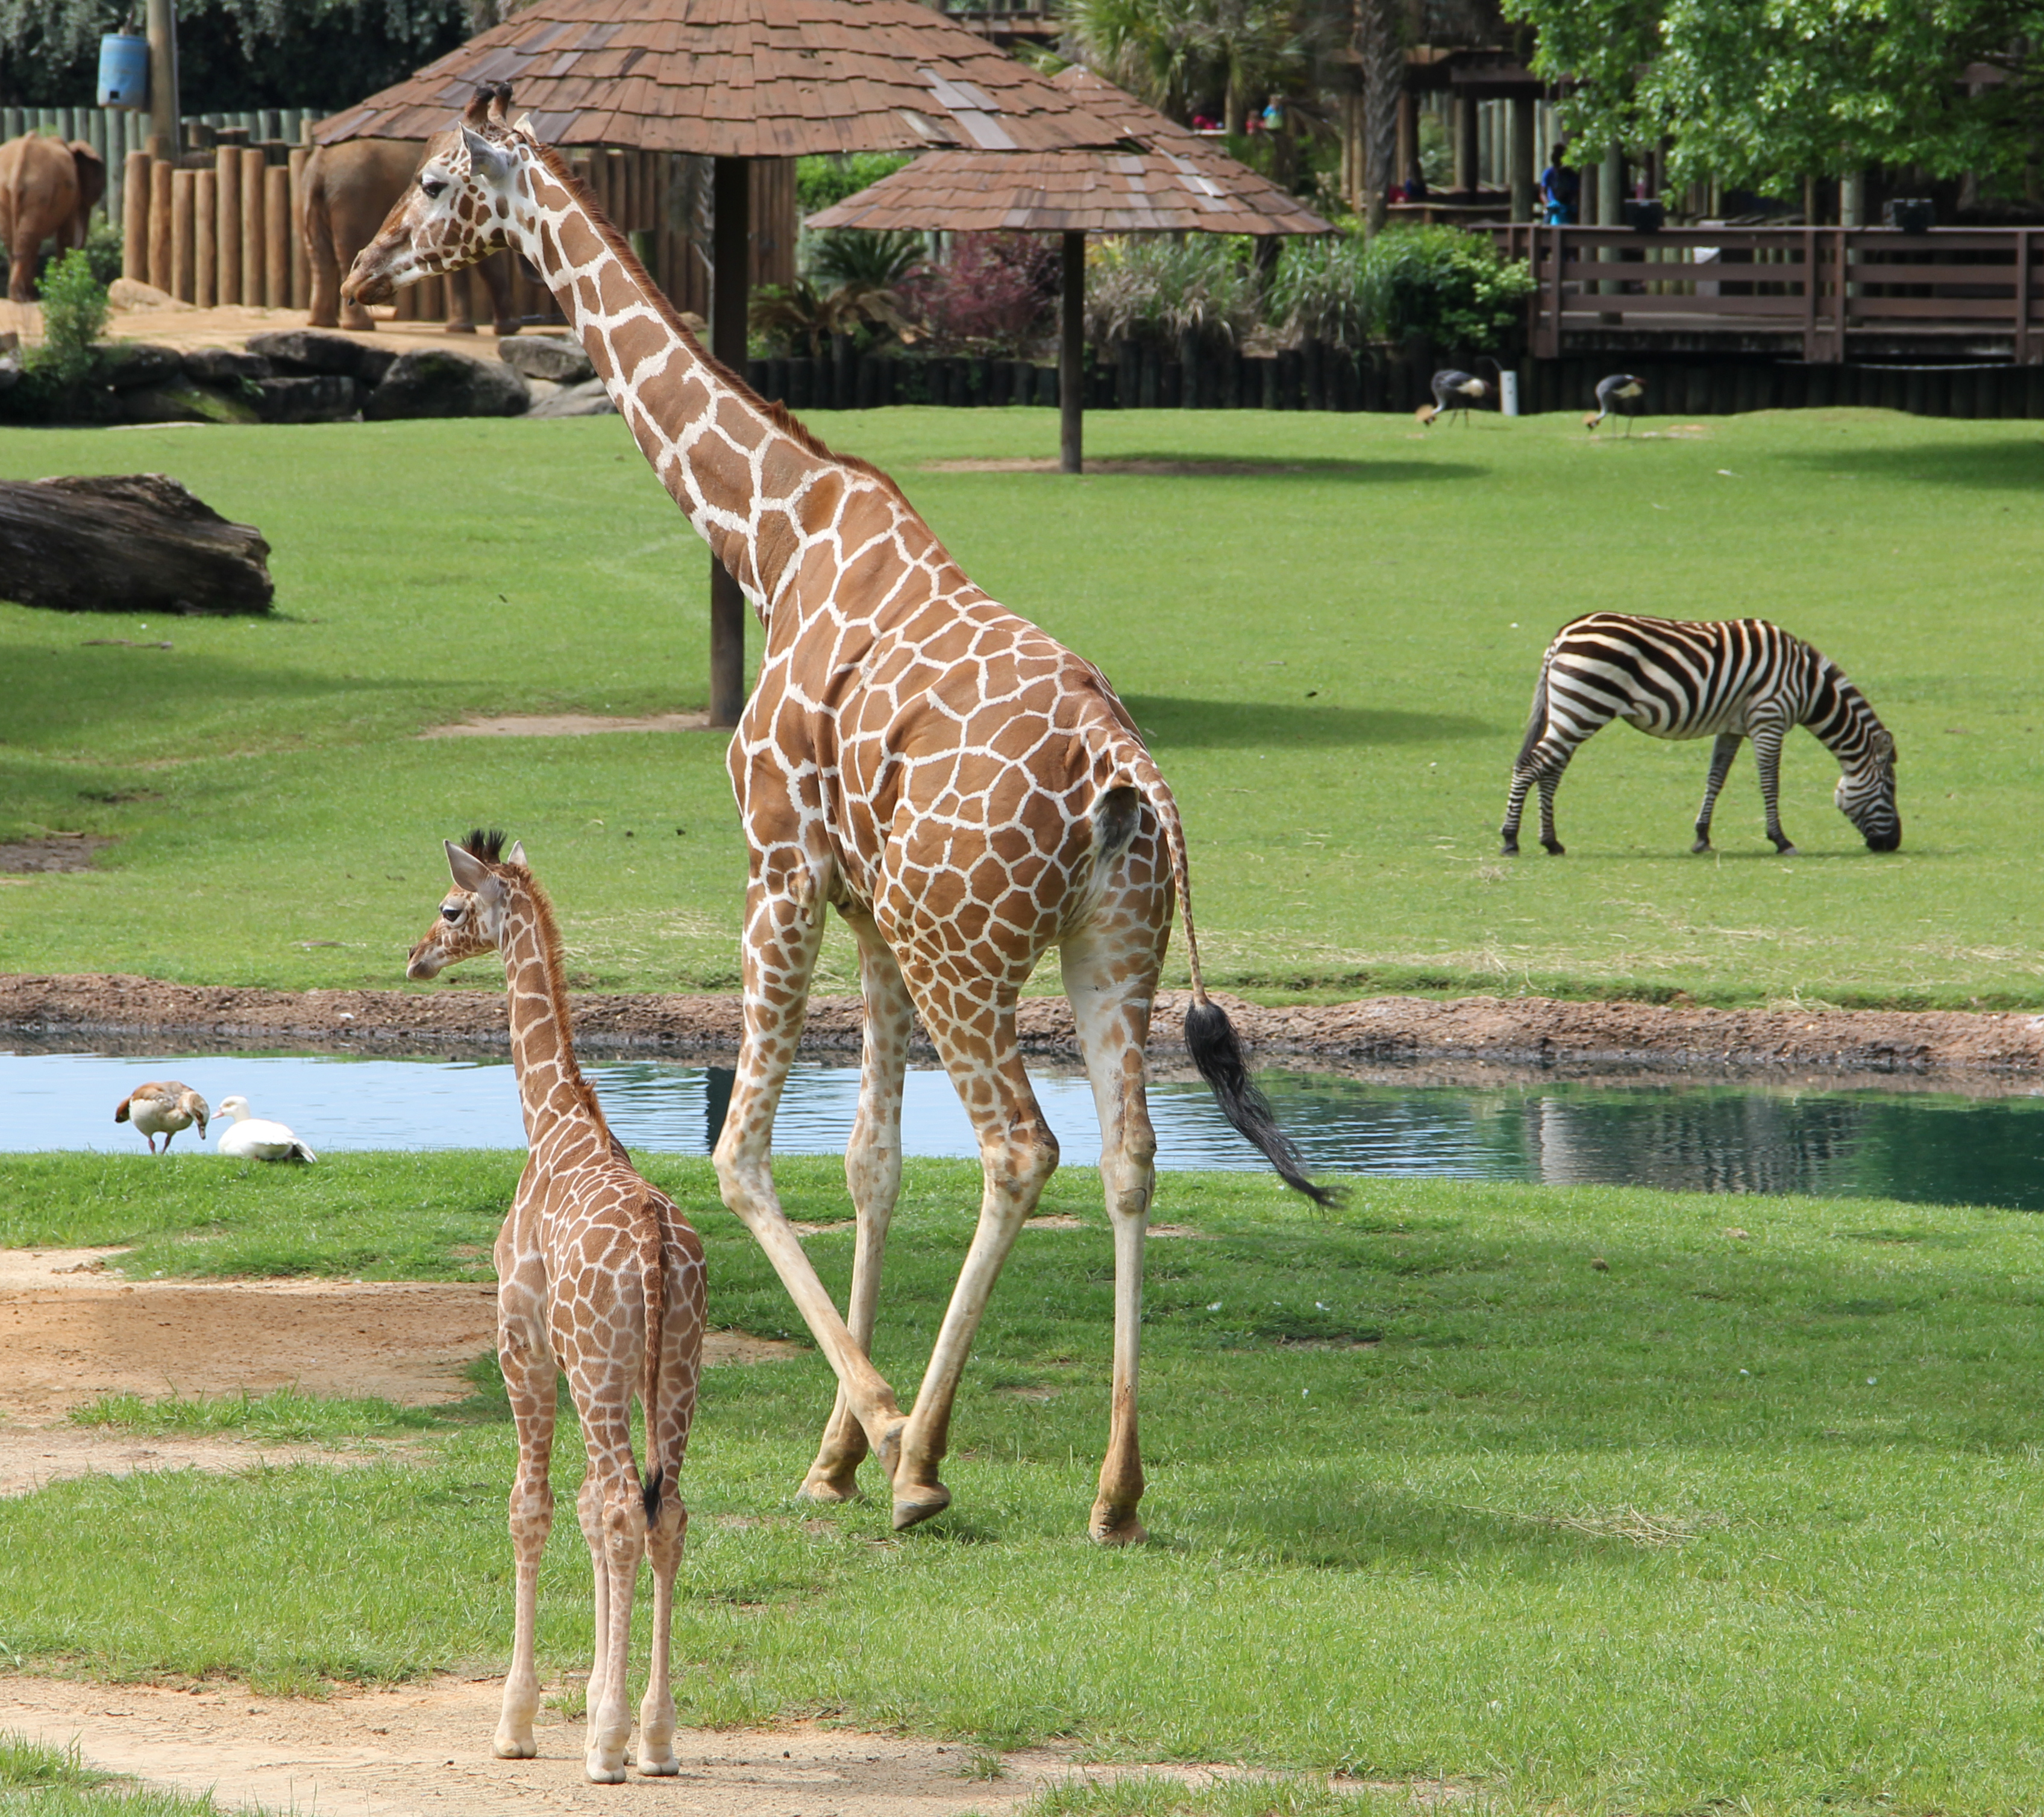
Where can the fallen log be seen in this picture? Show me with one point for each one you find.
(135, 542)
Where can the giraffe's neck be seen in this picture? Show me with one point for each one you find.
(551, 1091)
(717, 451)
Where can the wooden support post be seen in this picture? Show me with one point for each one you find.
(730, 294)
(135, 218)
(1463, 115)
(252, 167)
(227, 175)
(182, 245)
(2022, 353)
(162, 28)
(1525, 159)
(276, 236)
(301, 277)
(159, 224)
(1071, 358)
(206, 250)
(1408, 137)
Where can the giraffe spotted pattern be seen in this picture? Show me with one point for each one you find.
(966, 793)
(599, 1277)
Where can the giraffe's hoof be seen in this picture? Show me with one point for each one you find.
(599, 1774)
(915, 1502)
(1108, 1528)
(824, 1485)
(515, 1747)
(660, 1766)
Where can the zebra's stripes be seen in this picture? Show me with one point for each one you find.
(1728, 680)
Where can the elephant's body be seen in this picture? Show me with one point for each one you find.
(47, 191)
(349, 189)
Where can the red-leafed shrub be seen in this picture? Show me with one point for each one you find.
(992, 293)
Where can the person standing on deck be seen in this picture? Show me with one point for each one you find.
(1560, 188)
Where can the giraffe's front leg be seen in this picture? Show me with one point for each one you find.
(873, 1172)
(782, 931)
(528, 1379)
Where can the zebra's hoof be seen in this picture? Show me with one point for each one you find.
(1509, 849)
(1702, 843)
(1554, 847)
(1786, 851)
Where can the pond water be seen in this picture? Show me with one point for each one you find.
(1713, 1137)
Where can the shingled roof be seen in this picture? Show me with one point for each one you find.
(1163, 179)
(740, 79)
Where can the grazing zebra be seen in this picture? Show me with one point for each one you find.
(1453, 391)
(1736, 678)
(1620, 395)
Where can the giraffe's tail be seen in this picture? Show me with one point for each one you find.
(1210, 1037)
(652, 1268)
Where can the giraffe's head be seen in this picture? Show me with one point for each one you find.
(455, 211)
(471, 917)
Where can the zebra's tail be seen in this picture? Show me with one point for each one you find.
(1210, 1037)
(1536, 723)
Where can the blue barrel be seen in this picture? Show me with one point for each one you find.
(124, 70)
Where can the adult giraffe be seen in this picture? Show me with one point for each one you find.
(962, 789)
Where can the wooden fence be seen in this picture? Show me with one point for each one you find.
(225, 228)
(1830, 292)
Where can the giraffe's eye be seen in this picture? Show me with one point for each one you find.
(451, 911)
(433, 185)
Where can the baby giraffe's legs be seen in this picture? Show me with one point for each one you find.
(656, 1708)
(621, 1515)
(589, 1511)
(528, 1378)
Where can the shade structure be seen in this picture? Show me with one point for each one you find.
(740, 79)
(1159, 179)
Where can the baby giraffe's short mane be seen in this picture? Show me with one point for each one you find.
(488, 845)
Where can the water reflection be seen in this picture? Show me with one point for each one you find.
(1708, 1138)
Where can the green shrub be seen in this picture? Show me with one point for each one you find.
(1147, 288)
(1450, 286)
(73, 314)
(103, 248)
(821, 181)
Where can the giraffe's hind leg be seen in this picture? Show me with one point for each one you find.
(783, 931)
(681, 1363)
(873, 1173)
(1110, 974)
(529, 1381)
(971, 1021)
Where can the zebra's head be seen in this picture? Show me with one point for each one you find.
(1866, 794)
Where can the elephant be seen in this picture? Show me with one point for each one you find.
(47, 190)
(349, 189)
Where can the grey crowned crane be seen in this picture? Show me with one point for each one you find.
(1453, 391)
(1617, 396)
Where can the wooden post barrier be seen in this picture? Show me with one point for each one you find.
(182, 285)
(227, 173)
(253, 260)
(301, 279)
(277, 237)
(135, 218)
(159, 224)
(205, 249)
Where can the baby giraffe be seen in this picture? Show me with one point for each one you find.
(598, 1275)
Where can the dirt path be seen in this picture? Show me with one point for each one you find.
(426, 1749)
(1525, 1032)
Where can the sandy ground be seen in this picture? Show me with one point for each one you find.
(180, 325)
(1969, 1051)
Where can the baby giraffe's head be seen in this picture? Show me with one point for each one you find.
(455, 211)
(471, 918)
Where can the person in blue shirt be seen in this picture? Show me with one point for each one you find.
(1560, 189)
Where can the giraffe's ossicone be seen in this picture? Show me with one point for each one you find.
(966, 793)
(600, 1278)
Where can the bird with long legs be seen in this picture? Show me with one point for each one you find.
(965, 792)
(1620, 394)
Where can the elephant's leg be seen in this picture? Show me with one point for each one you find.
(460, 315)
(496, 271)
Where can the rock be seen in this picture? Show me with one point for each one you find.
(299, 351)
(586, 400)
(546, 357)
(182, 401)
(223, 365)
(133, 293)
(437, 382)
(11, 369)
(127, 364)
(309, 397)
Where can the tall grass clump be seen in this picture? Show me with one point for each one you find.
(1150, 288)
(1328, 291)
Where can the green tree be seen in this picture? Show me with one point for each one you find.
(1760, 91)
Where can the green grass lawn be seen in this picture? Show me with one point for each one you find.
(1744, 1519)
(1333, 659)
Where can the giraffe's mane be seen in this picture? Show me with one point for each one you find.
(621, 249)
(550, 945)
(488, 845)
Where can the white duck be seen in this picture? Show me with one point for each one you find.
(163, 1107)
(251, 1137)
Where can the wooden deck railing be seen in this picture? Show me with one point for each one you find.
(1825, 287)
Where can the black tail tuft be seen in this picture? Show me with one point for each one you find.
(651, 1493)
(1210, 1039)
